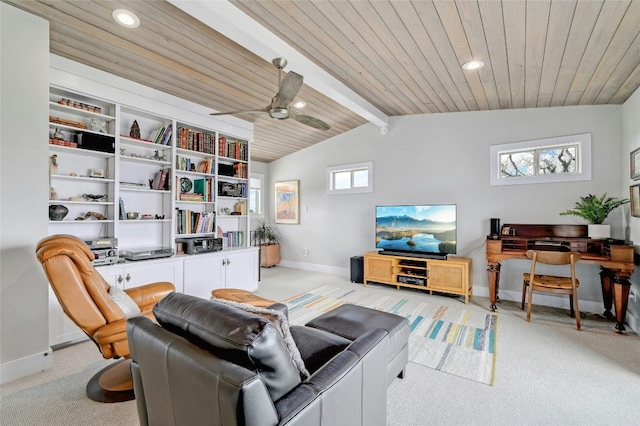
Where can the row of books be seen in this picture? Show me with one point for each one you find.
(196, 141)
(241, 170)
(204, 187)
(162, 136)
(233, 238)
(190, 222)
(236, 149)
(160, 181)
(185, 163)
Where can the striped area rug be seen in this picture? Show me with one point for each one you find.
(448, 339)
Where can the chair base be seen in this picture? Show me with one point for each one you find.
(112, 384)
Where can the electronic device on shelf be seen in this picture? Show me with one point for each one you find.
(147, 253)
(105, 250)
(426, 230)
(195, 245)
(412, 280)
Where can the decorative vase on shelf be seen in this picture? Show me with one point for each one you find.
(57, 212)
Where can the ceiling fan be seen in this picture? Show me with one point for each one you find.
(287, 90)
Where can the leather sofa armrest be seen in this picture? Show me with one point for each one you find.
(148, 295)
(299, 403)
(280, 307)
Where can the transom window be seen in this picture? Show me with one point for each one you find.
(561, 159)
(350, 178)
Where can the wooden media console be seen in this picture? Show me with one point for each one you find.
(452, 276)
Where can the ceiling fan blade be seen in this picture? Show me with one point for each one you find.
(289, 88)
(265, 109)
(308, 120)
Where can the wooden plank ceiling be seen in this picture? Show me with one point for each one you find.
(404, 57)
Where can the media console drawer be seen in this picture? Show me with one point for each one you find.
(452, 276)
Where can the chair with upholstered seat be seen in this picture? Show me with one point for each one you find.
(552, 283)
(100, 310)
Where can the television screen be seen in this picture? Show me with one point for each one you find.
(416, 229)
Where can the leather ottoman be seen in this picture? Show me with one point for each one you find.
(352, 321)
(241, 296)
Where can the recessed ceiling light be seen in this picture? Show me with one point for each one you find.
(473, 65)
(126, 18)
(300, 104)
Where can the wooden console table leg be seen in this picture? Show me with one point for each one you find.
(493, 268)
(606, 277)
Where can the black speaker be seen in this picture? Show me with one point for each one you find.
(495, 226)
(357, 269)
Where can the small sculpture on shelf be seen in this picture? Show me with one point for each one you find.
(95, 197)
(57, 212)
(53, 164)
(158, 156)
(57, 134)
(89, 215)
(135, 130)
(98, 125)
(53, 194)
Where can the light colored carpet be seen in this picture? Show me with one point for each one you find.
(548, 373)
(446, 338)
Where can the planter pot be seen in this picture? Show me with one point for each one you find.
(269, 255)
(599, 231)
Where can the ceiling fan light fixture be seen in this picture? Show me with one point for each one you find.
(473, 65)
(126, 18)
(300, 104)
(280, 113)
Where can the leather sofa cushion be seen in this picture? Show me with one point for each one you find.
(317, 347)
(242, 337)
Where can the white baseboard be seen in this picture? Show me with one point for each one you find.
(26, 366)
(316, 268)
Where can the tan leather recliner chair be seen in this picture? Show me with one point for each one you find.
(84, 296)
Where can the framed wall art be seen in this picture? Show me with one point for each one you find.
(287, 202)
(635, 164)
(635, 200)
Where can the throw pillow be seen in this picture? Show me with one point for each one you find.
(281, 323)
(124, 301)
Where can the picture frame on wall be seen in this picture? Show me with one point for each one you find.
(634, 192)
(287, 202)
(635, 164)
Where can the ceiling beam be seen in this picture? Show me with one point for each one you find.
(234, 24)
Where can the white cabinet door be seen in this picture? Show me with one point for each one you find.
(150, 272)
(130, 275)
(241, 270)
(202, 273)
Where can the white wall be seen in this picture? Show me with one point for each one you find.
(444, 158)
(24, 186)
(631, 135)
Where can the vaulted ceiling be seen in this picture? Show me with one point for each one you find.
(395, 57)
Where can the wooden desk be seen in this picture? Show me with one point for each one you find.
(616, 261)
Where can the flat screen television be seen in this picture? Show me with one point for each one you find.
(427, 230)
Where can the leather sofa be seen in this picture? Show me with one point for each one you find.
(222, 363)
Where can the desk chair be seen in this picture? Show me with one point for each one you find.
(552, 283)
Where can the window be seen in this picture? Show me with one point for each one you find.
(350, 178)
(561, 159)
(255, 194)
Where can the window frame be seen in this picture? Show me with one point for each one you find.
(260, 177)
(583, 142)
(351, 168)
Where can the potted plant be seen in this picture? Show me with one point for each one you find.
(595, 210)
(266, 236)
